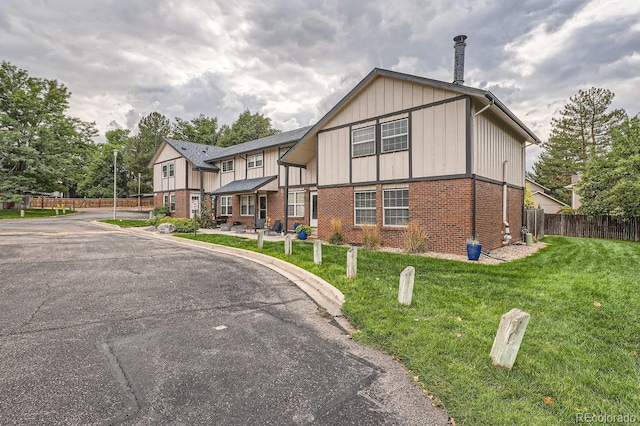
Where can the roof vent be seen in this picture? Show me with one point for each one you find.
(184, 148)
(458, 64)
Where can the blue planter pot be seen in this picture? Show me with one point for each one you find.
(302, 235)
(473, 251)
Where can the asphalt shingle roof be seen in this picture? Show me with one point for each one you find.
(243, 185)
(196, 153)
(260, 144)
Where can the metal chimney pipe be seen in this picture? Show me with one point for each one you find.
(458, 66)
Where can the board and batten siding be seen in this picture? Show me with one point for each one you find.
(209, 179)
(334, 156)
(493, 143)
(385, 96)
(438, 140)
(176, 182)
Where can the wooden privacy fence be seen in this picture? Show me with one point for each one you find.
(534, 221)
(579, 225)
(83, 203)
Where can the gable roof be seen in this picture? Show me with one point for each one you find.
(195, 153)
(549, 197)
(484, 96)
(260, 144)
(244, 185)
(537, 184)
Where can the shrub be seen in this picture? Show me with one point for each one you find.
(370, 237)
(336, 232)
(183, 226)
(415, 238)
(160, 211)
(567, 210)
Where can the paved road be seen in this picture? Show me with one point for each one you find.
(99, 326)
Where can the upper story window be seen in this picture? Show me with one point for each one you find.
(254, 161)
(395, 135)
(168, 170)
(227, 166)
(363, 141)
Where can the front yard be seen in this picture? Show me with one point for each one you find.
(579, 357)
(31, 213)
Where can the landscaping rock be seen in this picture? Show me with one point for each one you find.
(166, 228)
(149, 228)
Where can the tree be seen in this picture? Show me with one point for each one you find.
(580, 134)
(246, 128)
(98, 180)
(201, 129)
(43, 150)
(611, 182)
(138, 150)
(529, 201)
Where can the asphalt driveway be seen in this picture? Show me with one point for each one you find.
(99, 326)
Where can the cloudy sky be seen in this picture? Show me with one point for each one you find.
(292, 60)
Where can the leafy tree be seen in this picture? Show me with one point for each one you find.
(580, 134)
(611, 182)
(43, 150)
(201, 129)
(529, 202)
(246, 128)
(98, 180)
(138, 150)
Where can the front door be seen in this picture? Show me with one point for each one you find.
(262, 207)
(313, 220)
(194, 205)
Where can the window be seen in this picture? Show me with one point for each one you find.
(165, 200)
(172, 170)
(395, 206)
(165, 170)
(365, 207)
(172, 202)
(363, 141)
(227, 166)
(254, 161)
(168, 170)
(247, 205)
(395, 135)
(295, 206)
(226, 207)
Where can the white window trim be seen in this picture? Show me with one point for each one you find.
(226, 209)
(172, 169)
(383, 138)
(298, 208)
(165, 200)
(384, 208)
(172, 201)
(251, 203)
(355, 208)
(368, 141)
(253, 160)
(165, 171)
(228, 170)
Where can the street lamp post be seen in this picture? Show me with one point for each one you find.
(115, 157)
(139, 177)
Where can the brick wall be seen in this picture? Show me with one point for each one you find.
(443, 208)
(489, 214)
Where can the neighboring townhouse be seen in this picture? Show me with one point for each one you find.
(543, 200)
(396, 149)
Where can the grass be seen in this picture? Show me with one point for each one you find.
(579, 353)
(31, 213)
(126, 223)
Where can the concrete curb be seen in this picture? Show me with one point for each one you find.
(323, 293)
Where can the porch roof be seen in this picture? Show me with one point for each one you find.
(244, 186)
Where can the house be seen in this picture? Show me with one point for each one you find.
(543, 200)
(397, 148)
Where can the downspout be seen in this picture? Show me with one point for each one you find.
(506, 235)
(473, 207)
(286, 198)
(201, 190)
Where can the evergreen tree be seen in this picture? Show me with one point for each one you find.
(580, 134)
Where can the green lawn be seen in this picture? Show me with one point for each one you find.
(30, 213)
(579, 353)
(126, 223)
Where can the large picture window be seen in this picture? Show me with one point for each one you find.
(395, 207)
(395, 135)
(365, 207)
(226, 206)
(247, 205)
(254, 161)
(363, 141)
(295, 205)
(227, 166)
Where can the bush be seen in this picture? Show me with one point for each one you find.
(415, 238)
(370, 237)
(336, 232)
(160, 211)
(183, 226)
